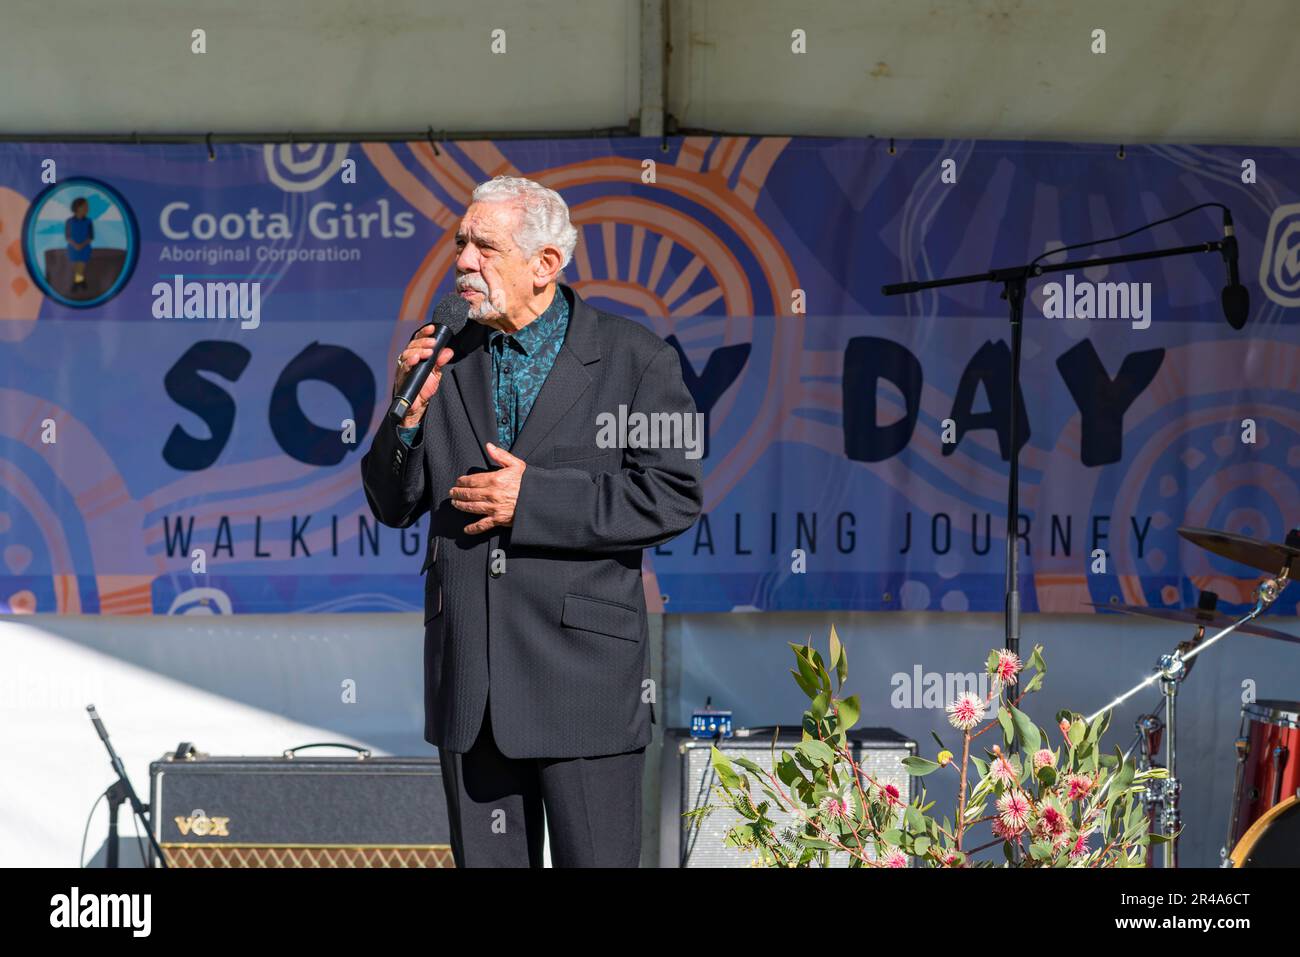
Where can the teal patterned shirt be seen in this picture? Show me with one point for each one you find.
(520, 364)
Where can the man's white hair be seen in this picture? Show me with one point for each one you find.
(545, 214)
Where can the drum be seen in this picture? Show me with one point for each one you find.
(1268, 762)
(1273, 840)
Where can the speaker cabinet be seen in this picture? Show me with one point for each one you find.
(299, 811)
(688, 781)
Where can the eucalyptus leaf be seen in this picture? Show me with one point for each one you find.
(819, 705)
(817, 752)
(839, 658)
(749, 765)
(1077, 731)
(819, 666)
(806, 685)
(848, 710)
(920, 766)
(726, 773)
(1123, 777)
(1089, 764)
(787, 771)
(1026, 730)
(1008, 730)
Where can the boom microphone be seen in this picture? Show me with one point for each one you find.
(449, 317)
(1235, 298)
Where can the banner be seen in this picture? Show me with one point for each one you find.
(195, 352)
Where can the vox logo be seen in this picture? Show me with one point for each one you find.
(203, 826)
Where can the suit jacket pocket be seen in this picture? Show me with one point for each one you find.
(603, 617)
(565, 454)
(432, 594)
(430, 555)
(432, 603)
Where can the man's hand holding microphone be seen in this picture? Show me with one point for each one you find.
(417, 350)
(419, 365)
(491, 495)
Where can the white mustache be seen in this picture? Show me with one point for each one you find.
(489, 306)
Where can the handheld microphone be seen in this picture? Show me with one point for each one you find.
(449, 317)
(1235, 298)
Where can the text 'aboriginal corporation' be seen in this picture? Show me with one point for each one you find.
(325, 221)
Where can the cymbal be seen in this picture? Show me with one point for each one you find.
(1213, 621)
(1265, 556)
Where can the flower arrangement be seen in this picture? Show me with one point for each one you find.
(1065, 806)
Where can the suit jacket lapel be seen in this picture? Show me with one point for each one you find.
(473, 377)
(567, 380)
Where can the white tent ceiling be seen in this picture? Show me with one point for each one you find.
(1173, 70)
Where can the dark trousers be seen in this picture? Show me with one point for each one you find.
(495, 803)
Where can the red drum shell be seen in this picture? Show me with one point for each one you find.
(1271, 772)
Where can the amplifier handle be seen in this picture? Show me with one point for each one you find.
(362, 753)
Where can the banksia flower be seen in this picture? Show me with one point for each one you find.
(1002, 831)
(890, 794)
(1013, 811)
(1007, 667)
(1052, 825)
(895, 858)
(1002, 771)
(967, 711)
(834, 806)
(1078, 785)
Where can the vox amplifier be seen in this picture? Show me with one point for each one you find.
(293, 811)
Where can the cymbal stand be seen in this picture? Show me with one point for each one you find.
(1170, 670)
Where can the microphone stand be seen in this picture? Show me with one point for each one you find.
(1013, 280)
(121, 792)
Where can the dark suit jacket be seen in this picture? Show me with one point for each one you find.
(560, 635)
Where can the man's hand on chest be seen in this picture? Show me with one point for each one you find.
(490, 494)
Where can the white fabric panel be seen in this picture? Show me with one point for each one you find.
(253, 684)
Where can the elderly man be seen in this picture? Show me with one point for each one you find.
(536, 667)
